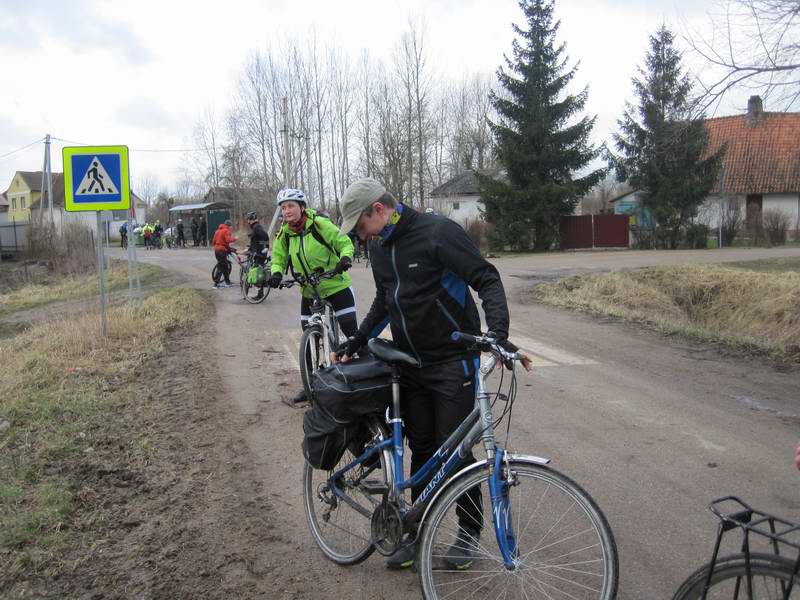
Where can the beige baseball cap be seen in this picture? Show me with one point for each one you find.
(358, 196)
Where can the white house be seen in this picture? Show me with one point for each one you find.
(459, 198)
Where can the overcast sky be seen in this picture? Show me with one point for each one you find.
(140, 74)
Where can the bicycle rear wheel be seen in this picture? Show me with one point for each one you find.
(342, 528)
(565, 547)
(770, 577)
(311, 359)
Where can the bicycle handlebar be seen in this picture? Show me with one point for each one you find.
(485, 344)
(313, 279)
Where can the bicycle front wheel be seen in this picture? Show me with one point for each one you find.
(341, 527)
(564, 545)
(770, 577)
(311, 357)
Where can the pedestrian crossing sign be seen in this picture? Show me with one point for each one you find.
(96, 178)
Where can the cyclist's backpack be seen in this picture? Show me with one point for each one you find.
(343, 395)
(256, 275)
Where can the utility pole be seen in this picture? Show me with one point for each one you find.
(721, 205)
(47, 181)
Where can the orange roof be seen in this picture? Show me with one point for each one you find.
(763, 155)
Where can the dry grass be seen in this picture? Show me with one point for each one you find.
(71, 288)
(737, 306)
(60, 382)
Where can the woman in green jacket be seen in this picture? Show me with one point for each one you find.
(306, 242)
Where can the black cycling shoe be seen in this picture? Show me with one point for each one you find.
(463, 552)
(299, 397)
(402, 558)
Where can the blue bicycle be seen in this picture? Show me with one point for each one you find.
(548, 538)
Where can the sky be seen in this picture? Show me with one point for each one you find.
(108, 72)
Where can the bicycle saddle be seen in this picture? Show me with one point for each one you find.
(389, 353)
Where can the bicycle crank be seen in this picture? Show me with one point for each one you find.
(387, 528)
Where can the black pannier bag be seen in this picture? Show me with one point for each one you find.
(343, 395)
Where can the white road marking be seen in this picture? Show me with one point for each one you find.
(289, 357)
(551, 357)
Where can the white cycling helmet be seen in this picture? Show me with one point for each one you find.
(293, 195)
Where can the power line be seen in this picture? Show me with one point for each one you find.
(22, 148)
(136, 149)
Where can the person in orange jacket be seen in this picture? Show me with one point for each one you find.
(221, 242)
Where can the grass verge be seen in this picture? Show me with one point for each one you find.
(72, 288)
(738, 306)
(60, 385)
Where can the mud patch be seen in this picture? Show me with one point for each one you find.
(168, 502)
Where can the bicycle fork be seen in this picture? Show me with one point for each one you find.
(500, 478)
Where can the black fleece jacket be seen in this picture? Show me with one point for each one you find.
(421, 273)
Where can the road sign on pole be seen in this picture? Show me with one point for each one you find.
(96, 178)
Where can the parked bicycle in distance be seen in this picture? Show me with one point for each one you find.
(542, 535)
(253, 279)
(321, 335)
(748, 575)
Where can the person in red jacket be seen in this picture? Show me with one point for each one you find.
(222, 240)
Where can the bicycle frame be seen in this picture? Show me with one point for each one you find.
(479, 424)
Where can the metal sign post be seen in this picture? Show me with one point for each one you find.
(101, 277)
(96, 178)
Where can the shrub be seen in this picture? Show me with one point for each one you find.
(731, 222)
(776, 224)
(696, 236)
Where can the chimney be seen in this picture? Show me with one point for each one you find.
(755, 109)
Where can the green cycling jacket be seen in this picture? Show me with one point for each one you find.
(305, 252)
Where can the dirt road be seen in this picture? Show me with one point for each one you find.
(652, 427)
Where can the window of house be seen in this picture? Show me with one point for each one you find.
(22, 202)
(13, 204)
(456, 205)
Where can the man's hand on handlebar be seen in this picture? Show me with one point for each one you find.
(274, 280)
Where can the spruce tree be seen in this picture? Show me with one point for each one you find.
(541, 140)
(663, 150)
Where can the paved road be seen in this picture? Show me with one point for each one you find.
(653, 427)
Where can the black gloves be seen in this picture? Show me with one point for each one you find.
(351, 345)
(343, 264)
(507, 346)
(274, 280)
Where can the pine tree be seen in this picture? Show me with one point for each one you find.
(537, 139)
(662, 149)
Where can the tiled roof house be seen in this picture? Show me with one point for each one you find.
(761, 167)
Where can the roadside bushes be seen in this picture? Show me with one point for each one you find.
(70, 251)
(776, 225)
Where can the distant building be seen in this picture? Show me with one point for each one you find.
(760, 169)
(25, 189)
(459, 198)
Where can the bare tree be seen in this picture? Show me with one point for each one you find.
(754, 44)
(146, 188)
(411, 63)
(207, 137)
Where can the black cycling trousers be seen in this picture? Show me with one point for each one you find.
(344, 306)
(224, 264)
(435, 401)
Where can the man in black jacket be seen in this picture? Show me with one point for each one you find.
(422, 265)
